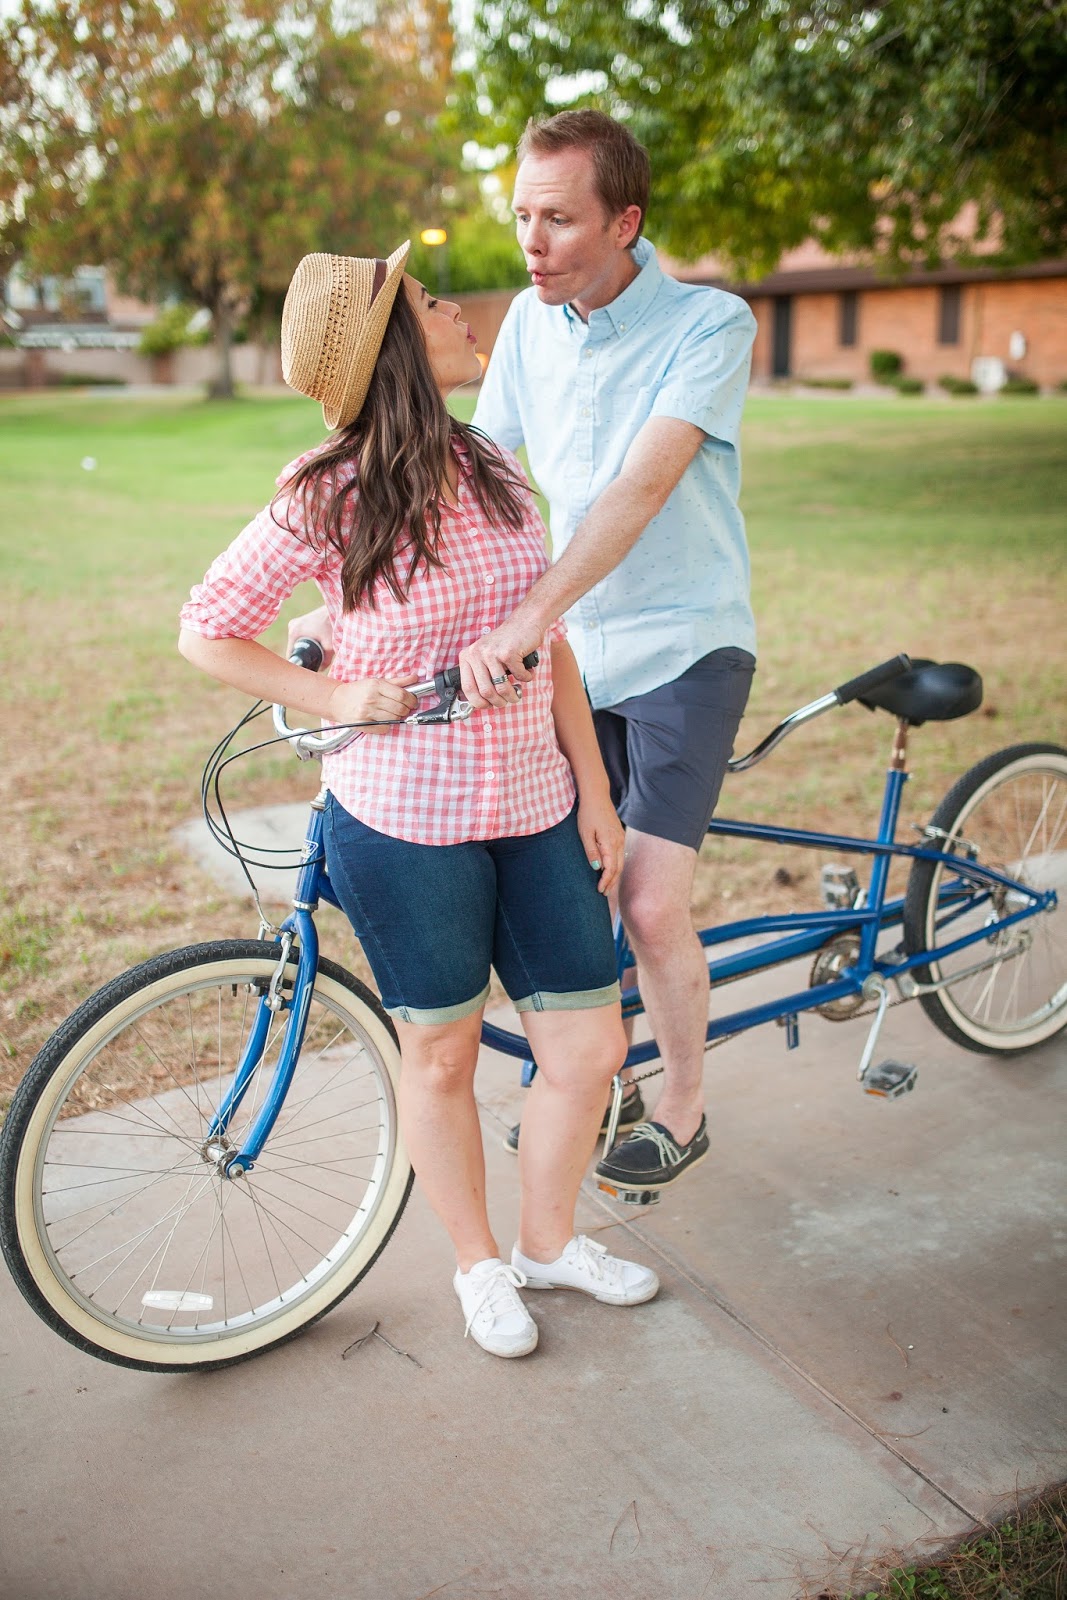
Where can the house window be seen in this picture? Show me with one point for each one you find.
(847, 308)
(948, 314)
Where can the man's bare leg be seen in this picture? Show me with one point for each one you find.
(654, 898)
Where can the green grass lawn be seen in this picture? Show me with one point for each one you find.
(876, 525)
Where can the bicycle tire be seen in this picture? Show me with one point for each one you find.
(1013, 807)
(134, 1075)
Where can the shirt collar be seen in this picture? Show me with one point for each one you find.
(627, 308)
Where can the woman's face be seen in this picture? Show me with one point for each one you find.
(450, 344)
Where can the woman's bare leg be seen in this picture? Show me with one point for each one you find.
(577, 1054)
(442, 1132)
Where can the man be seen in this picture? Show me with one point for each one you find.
(626, 388)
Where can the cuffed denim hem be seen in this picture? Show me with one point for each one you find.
(577, 1000)
(440, 1014)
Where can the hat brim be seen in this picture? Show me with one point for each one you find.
(342, 411)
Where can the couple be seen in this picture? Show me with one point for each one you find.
(497, 841)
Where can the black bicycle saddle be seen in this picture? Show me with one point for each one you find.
(933, 691)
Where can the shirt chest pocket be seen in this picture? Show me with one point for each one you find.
(627, 403)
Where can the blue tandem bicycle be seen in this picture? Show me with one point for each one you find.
(206, 1157)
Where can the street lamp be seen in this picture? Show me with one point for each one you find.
(437, 238)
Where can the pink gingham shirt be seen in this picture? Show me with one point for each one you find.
(499, 773)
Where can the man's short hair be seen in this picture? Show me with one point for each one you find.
(622, 172)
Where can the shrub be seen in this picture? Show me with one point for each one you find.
(86, 380)
(170, 331)
(1061, 387)
(909, 386)
(1018, 385)
(957, 386)
(886, 365)
(826, 383)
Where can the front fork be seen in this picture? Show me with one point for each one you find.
(299, 931)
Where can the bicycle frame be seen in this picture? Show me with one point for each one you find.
(799, 934)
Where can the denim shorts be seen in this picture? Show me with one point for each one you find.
(666, 751)
(432, 919)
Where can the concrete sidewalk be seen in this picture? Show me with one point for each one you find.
(856, 1352)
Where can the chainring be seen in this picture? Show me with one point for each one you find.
(834, 959)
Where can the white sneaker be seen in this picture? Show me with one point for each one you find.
(587, 1266)
(496, 1317)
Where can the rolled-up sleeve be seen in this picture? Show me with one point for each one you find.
(707, 379)
(246, 586)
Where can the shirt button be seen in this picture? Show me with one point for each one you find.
(489, 578)
(585, 411)
(622, 327)
(490, 774)
(587, 354)
(589, 626)
(487, 630)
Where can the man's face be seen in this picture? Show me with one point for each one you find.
(575, 252)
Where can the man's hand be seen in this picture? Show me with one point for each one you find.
(315, 625)
(495, 655)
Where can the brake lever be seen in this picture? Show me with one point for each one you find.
(449, 707)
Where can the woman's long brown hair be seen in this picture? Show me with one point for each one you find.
(401, 445)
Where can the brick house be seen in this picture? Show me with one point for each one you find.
(820, 316)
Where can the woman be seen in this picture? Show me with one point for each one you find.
(454, 847)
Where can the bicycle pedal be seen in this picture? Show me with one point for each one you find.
(889, 1079)
(630, 1197)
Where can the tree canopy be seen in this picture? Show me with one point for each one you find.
(770, 121)
(202, 146)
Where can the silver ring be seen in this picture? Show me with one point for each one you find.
(502, 679)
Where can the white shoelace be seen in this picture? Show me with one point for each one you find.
(669, 1152)
(498, 1294)
(591, 1257)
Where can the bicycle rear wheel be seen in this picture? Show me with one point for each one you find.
(1012, 809)
(114, 1218)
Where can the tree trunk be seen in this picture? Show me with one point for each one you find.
(222, 386)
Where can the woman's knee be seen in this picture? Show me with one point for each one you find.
(581, 1065)
(439, 1061)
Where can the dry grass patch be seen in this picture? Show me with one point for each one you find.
(872, 531)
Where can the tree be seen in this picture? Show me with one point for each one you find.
(201, 147)
(770, 121)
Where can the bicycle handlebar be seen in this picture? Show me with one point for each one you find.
(308, 653)
(837, 697)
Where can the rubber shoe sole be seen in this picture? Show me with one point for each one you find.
(605, 1299)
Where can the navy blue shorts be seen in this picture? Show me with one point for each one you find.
(432, 919)
(666, 751)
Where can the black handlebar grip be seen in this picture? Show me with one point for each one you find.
(307, 653)
(856, 688)
(450, 679)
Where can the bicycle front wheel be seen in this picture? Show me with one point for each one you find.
(115, 1219)
(1011, 809)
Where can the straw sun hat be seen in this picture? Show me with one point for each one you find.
(333, 323)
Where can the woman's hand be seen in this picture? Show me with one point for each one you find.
(602, 835)
(371, 700)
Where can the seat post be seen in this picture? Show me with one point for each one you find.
(898, 760)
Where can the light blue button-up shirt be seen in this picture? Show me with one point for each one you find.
(576, 394)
